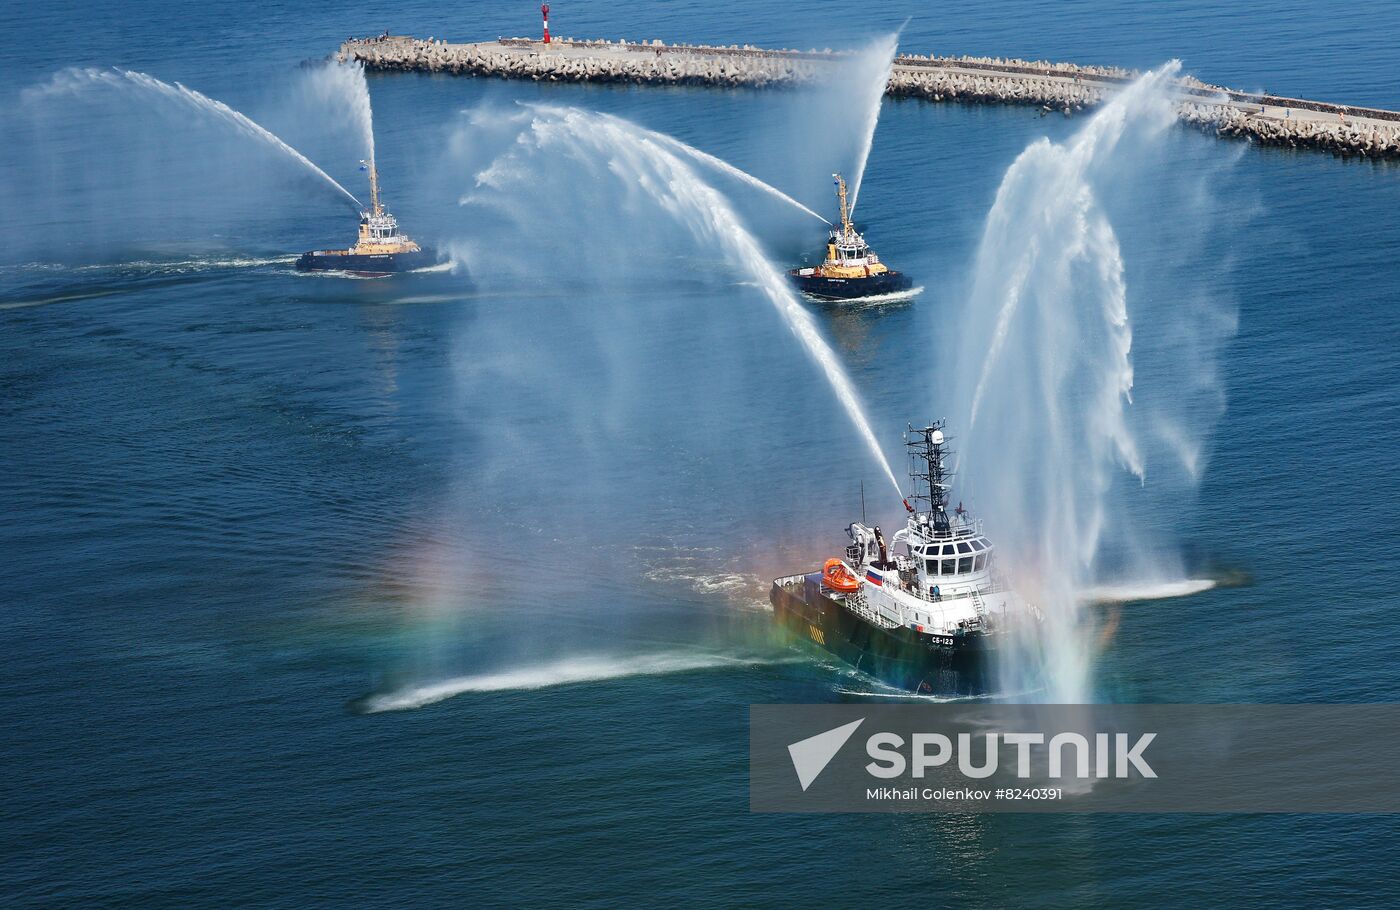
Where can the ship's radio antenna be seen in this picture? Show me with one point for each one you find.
(862, 501)
(845, 213)
(373, 187)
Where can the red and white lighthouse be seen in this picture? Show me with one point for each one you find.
(544, 11)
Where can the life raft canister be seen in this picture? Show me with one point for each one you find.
(838, 576)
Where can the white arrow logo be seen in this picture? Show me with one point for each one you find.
(810, 756)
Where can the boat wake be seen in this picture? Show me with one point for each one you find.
(863, 685)
(1148, 590)
(571, 671)
(874, 300)
(46, 301)
(435, 268)
(337, 273)
(708, 583)
(939, 699)
(33, 284)
(156, 266)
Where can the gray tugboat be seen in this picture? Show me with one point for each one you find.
(928, 620)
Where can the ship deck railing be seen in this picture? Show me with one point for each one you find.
(973, 592)
(857, 604)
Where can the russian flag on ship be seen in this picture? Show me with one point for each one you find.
(875, 578)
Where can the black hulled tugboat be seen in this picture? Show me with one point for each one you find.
(929, 620)
(851, 269)
(380, 249)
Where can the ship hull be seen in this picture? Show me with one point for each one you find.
(364, 264)
(951, 666)
(850, 288)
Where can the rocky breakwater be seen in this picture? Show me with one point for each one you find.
(586, 61)
(980, 80)
(1062, 87)
(1365, 133)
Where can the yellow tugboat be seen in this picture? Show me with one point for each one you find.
(380, 250)
(851, 269)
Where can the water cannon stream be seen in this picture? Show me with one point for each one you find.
(86, 79)
(1045, 372)
(874, 71)
(658, 161)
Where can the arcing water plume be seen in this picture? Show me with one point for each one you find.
(341, 92)
(80, 80)
(705, 158)
(725, 167)
(826, 126)
(651, 163)
(1045, 374)
(871, 74)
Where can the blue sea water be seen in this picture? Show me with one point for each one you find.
(244, 510)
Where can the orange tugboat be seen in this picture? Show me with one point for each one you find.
(851, 269)
(380, 249)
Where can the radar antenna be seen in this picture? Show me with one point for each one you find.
(927, 449)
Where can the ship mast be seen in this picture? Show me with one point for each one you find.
(845, 213)
(927, 449)
(375, 207)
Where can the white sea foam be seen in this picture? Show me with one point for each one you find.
(158, 265)
(937, 699)
(873, 300)
(1147, 590)
(570, 671)
(340, 273)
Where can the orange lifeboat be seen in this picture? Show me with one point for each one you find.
(838, 576)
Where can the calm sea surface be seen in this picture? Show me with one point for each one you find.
(246, 512)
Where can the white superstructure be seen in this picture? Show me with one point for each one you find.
(945, 580)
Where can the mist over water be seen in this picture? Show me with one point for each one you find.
(111, 163)
(1045, 375)
(125, 81)
(625, 307)
(869, 75)
(330, 94)
(229, 489)
(729, 170)
(825, 126)
(650, 164)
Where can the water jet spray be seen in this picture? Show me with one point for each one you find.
(656, 162)
(77, 80)
(873, 74)
(1045, 372)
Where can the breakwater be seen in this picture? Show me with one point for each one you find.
(1053, 87)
